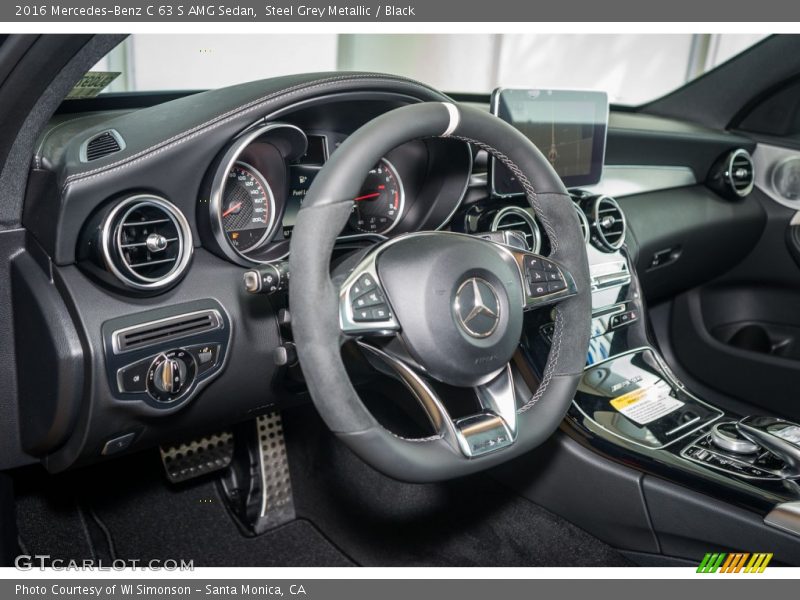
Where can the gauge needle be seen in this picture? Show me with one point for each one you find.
(367, 196)
(231, 209)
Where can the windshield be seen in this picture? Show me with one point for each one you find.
(632, 69)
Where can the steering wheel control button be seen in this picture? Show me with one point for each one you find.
(170, 374)
(543, 276)
(133, 378)
(373, 298)
(364, 284)
(538, 289)
(372, 314)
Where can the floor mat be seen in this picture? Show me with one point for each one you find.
(147, 519)
(467, 522)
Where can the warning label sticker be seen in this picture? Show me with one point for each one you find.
(646, 405)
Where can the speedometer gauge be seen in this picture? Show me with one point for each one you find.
(379, 204)
(248, 208)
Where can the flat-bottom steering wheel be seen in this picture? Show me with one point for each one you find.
(445, 306)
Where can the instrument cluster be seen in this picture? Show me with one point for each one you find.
(257, 186)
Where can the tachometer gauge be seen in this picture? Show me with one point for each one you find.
(248, 208)
(379, 204)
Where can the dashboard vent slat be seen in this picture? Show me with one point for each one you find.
(609, 226)
(102, 145)
(147, 242)
(165, 330)
(733, 175)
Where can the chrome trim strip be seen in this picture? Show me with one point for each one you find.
(729, 172)
(115, 336)
(84, 149)
(400, 211)
(186, 245)
(627, 180)
(525, 216)
(786, 517)
(424, 393)
(229, 159)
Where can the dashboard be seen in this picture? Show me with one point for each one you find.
(142, 223)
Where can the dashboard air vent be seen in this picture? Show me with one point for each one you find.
(518, 219)
(102, 145)
(166, 330)
(740, 173)
(733, 175)
(608, 224)
(146, 242)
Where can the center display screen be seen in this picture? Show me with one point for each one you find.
(568, 127)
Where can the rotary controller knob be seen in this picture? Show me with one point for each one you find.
(170, 374)
(727, 437)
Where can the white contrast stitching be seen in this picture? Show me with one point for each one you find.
(226, 117)
(530, 192)
(550, 369)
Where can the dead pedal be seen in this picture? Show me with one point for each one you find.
(258, 486)
(198, 457)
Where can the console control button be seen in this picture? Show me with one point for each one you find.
(623, 319)
(205, 356)
(117, 444)
(133, 378)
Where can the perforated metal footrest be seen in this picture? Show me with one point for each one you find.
(257, 486)
(198, 457)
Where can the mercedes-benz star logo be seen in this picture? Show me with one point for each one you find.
(477, 307)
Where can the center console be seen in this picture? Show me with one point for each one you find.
(632, 408)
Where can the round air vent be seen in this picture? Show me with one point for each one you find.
(584, 223)
(733, 175)
(518, 219)
(608, 224)
(146, 242)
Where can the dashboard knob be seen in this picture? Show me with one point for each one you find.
(170, 374)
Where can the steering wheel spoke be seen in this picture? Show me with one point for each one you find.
(492, 427)
(364, 308)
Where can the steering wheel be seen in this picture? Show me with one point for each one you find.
(439, 306)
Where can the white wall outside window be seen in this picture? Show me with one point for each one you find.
(631, 68)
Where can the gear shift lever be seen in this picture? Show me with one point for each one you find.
(780, 437)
